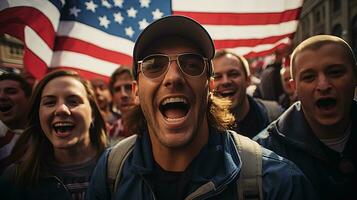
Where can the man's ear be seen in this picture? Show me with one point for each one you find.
(211, 84)
(292, 84)
(135, 92)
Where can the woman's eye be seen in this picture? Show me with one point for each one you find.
(48, 103)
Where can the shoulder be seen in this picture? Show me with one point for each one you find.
(282, 179)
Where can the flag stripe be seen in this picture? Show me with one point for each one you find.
(84, 73)
(45, 7)
(36, 66)
(37, 45)
(219, 32)
(259, 48)
(37, 21)
(219, 44)
(75, 45)
(83, 62)
(97, 37)
(235, 6)
(242, 18)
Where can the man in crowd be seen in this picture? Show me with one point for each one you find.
(319, 133)
(120, 87)
(14, 96)
(183, 148)
(104, 100)
(232, 77)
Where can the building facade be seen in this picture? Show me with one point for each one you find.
(333, 17)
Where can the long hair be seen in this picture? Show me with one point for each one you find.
(33, 148)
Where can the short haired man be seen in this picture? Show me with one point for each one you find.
(319, 132)
(14, 99)
(183, 150)
(232, 77)
(120, 87)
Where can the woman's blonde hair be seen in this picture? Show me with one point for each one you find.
(33, 148)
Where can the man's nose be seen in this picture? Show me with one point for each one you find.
(323, 83)
(173, 75)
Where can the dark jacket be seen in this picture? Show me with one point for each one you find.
(50, 187)
(218, 163)
(260, 114)
(270, 86)
(291, 137)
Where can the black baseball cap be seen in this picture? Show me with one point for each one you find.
(174, 25)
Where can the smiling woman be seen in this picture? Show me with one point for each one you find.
(63, 140)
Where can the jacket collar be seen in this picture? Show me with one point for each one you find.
(293, 126)
(217, 162)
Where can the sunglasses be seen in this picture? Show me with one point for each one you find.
(155, 65)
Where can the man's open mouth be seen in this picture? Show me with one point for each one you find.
(62, 127)
(326, 103)
(226, 94)
(5, 107)
(174, 108)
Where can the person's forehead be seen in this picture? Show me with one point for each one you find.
(123, 77)
(64, 84)
(98, 82)
(228, 60)
(8, 83)
(328, 53)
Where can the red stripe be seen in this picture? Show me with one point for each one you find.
(85, 74)
(36, 66)
(219, 44)
(264, 53)
(16, 30)
(242, 18)
(30, 17)
(70, 44)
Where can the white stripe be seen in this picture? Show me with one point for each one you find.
(235, 6)
(259, 48)
(95, 36)
(44, 6)
(250, 32)
(39, 47)
(83, 62)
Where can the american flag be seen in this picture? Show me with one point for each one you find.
(97, 36)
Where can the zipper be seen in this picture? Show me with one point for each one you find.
(148, 185)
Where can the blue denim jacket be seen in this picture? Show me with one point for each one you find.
(217, 163)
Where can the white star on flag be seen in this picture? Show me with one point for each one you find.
(144, 3)
(118, 3)
(132, 12)
(129, 31)
(91, 6)
(143, 24)
(74, 11)
(118, 17)
(106, 4)
(104, 21)
(157, 14)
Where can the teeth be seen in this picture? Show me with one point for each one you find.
(174, 100)
(60, 124)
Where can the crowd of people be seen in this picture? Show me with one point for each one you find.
(179, 124)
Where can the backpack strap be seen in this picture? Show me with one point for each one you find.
(250, 182)
(118, 154)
